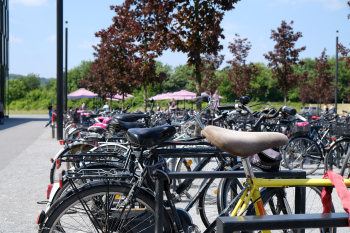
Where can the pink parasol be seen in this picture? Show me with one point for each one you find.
(81, 93)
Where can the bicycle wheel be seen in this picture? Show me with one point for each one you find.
(336, 157)
(66, 185)
(282, 201)
(302, 153)
(275, 200)
(99, 207)
(345, 170)
(185, 165)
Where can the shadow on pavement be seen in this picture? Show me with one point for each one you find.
(15, 121)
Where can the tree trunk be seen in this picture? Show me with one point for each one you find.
(285, 99)
(144, 98)
(123, 102)
(198, 83)
(111, 105)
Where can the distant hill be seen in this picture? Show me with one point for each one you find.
(42, 80)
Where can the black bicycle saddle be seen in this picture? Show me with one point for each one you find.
(148, 137)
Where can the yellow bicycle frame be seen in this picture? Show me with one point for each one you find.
(254, 184)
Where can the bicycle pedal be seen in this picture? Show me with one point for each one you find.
(193, 229)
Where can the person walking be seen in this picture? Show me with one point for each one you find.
(53, 111)
(2, 110)
(50, 109)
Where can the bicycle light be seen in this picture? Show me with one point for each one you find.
(60, 180)
(58, 163)
(49, 189)
(62, 142)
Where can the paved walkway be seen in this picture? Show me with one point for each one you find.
(25, 151)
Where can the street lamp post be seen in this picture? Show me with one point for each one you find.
(336, 74)
(66, 73)
(59, 69)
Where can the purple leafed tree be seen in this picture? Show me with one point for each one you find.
(284, 57)
(240, 73)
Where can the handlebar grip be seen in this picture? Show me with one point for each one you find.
(289, 111)
(229, 107)
(198, 99)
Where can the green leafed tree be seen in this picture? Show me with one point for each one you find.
(17, 89)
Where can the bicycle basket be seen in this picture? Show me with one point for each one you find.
(300, 129)
(341, 130)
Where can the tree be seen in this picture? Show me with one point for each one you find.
(142, 26)
(210, 63)
(284, 58)
(196, 30)
(319, 88)
(240, 74)
(31, 81)
(76, 74)
(17, 89)
(344, 57)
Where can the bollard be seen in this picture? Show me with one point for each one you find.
(53, 124)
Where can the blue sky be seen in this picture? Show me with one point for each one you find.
(33, 29)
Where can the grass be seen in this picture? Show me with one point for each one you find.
(39, 111)
(296, 105)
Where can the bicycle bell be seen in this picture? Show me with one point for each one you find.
(244, 100)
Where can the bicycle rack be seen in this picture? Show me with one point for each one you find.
(299, 192)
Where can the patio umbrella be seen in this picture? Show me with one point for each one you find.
(164, 96)
(81, 93)
(183, 95)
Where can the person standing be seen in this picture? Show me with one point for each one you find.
(310, 110)
(83, 106)
(106, 107)
(173, 104)
(216, 97)
(331, 110)
(158, 108)
(2, 110)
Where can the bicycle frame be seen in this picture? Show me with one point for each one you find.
(254, 184)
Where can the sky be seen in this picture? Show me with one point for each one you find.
(32, 27)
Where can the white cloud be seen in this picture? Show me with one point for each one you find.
(16, 40)
(86, 45)
(52, 38)
(30, 2)
(327, 4)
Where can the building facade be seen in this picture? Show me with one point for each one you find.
(4, 48)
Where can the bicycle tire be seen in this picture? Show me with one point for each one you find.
(302, 153)
(336, 156)
(64, 213)
(272, 197)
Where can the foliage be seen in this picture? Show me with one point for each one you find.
(196, 30)
(75, 75)
(319, 88)
(31, 81)
(284, 58)
(241, 74)
(210, 63)
(17, 89)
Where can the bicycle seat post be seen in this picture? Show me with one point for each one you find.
(247, 168)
